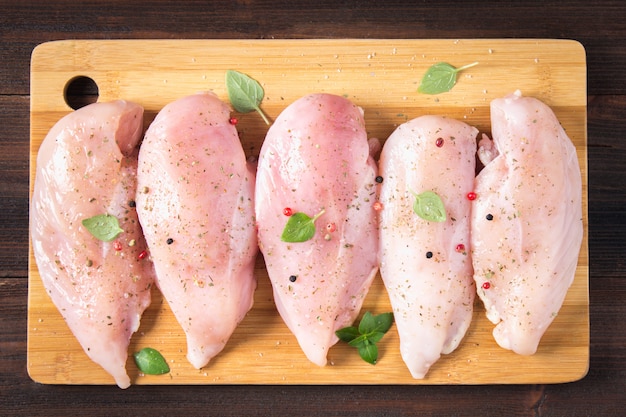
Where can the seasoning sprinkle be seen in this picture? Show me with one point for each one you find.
(379, 179)
(486, 285)
(429, 255)
(293, 278)
(331, 227)
(287, 211)
(439, 142)
(471, 196)
(117, 245)
(489, 217)
(233, 121)
(460, 247)
(169, 241)
(142, 255)
(378, 206)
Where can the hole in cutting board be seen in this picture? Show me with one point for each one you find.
(80, 91)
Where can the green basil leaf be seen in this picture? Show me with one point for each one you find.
(383, 322)
(369, 353)
(372, 325)
(150, 361)
(367, 324)
(440, 78)
(300, 227)
(375, 337)
(245, 93)
(429, 206)
(347, 334)
(103, 226)
(359, 340)
(364, 338)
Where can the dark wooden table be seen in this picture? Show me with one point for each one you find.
(600, 26)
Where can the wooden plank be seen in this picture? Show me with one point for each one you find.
(381, 76)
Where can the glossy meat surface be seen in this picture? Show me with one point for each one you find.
(196, 204)
(425, 265)
(86, 166)
(316, 157)
(526, 221)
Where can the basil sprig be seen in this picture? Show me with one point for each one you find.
(440, 78)
(105, 227)
(300, 227)
(370, 331)
(151, 362)
(429, 206)
(245, 93)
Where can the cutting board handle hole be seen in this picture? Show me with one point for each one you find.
(80, 91)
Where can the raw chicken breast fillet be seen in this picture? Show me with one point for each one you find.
(425, 265)
(316, 157)
(526, 221)
(86, 166)
(196, 206)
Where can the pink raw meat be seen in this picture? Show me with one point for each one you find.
(425, 265)
(526, 221)
(316, 157)
(195, 200)
(86, 166)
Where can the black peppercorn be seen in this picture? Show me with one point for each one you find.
(169, 241)
(489, 217)
(429, 254)
(293, 278)
(132, 203)
(379, 179)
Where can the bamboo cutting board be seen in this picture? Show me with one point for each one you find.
(382, 77)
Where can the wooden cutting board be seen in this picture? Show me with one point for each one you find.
(382, 77)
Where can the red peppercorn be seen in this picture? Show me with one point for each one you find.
(117, 245)
(471, 196)
(331, 227)
(233, 121)
(460, 247)
(439, 142)
(142, 254)
(287, 211)
(486, 285)
(378, 206)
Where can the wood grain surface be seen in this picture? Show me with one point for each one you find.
(381, 76)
